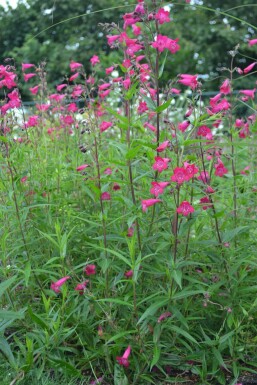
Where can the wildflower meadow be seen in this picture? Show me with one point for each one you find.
(128, 207)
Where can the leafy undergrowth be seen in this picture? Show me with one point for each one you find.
(128, 221)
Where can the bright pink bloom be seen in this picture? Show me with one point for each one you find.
(28, 76)
(73, 77)
(14, 97)
(249, 68)
(104, 93)
(160, 164)
(205, 132)
(150, 126)
(204, 177)
(162, 16)
(124, 359)
(104, 126)
(188, 80)
(55, 286)
(105, 196)
(205, 202)
(61, 86)
(140, 8)
(34, 90)
(225, 87)
(191, 170)
(220, 168)
(127, 83)
(239, 123)
(74, 66)
(163, 316)
(77, 91)
(109, 70)
(136, 29)
(163, 146)
(82, 167)
(252, 42)
(223, 105)
(189, 112)
(142, 108)
(32, 121)
(129, 274)
(72, 107)
(108, 171)
(158, 188)
(185, 208)
(180, 175)
(25, 66)
(244, 132)
(94, 60)
(215, 99)
(81, 287)
(183, 126)
(245, 171)
(90, 270)
(104, 86)
(248, 93)
(149, 202)
(24, 179)
(175, 91)
(163, 42)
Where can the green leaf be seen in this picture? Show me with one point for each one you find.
(161, 69)
(153, 309)
(150, 103)
(6, 284)
(3, 139)
(6, 350)
(156, 356)
(182, 332)
(131, 92)
(121, 335)
(231, 234)
(163, 106)
(11, 315)
(118, 116)
(115, 300)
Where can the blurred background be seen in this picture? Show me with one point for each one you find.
(206, 34)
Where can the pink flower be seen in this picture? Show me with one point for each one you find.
(124, 359)
(127, 83)
(24, 179)
(81, 287)
(245, 171)
(183, 126)
(220, 168)
(158, 188)
(205, 131)
(42, 107)
(131, 230)
(136, 29)
(94, 60)
(249, 68)
(72, 107)
(188, 80)
(204, 177)
(82, 167)
(61, 86)
(191, 169)
(163, 316)
(105, 196)
(160, 164)
(28, 76)
(149, 202)
(163, 146)
(163, 42)
(162, 16)
(109, 70)
(55, 286)
(108, 171)
(142, 108)
(32, 121)
(25, 66)
(116, 186)
(73, 77)
(129, 274)
(252, 42)
(225, 87)
(90, 270)
(205, 202)
(215, 99)
(185, 208)
(34, 90)
(74, 66)
(179, 175)
(248, 93)
(175, 91)
(104, 126)
(150, 126)
(239, 123)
